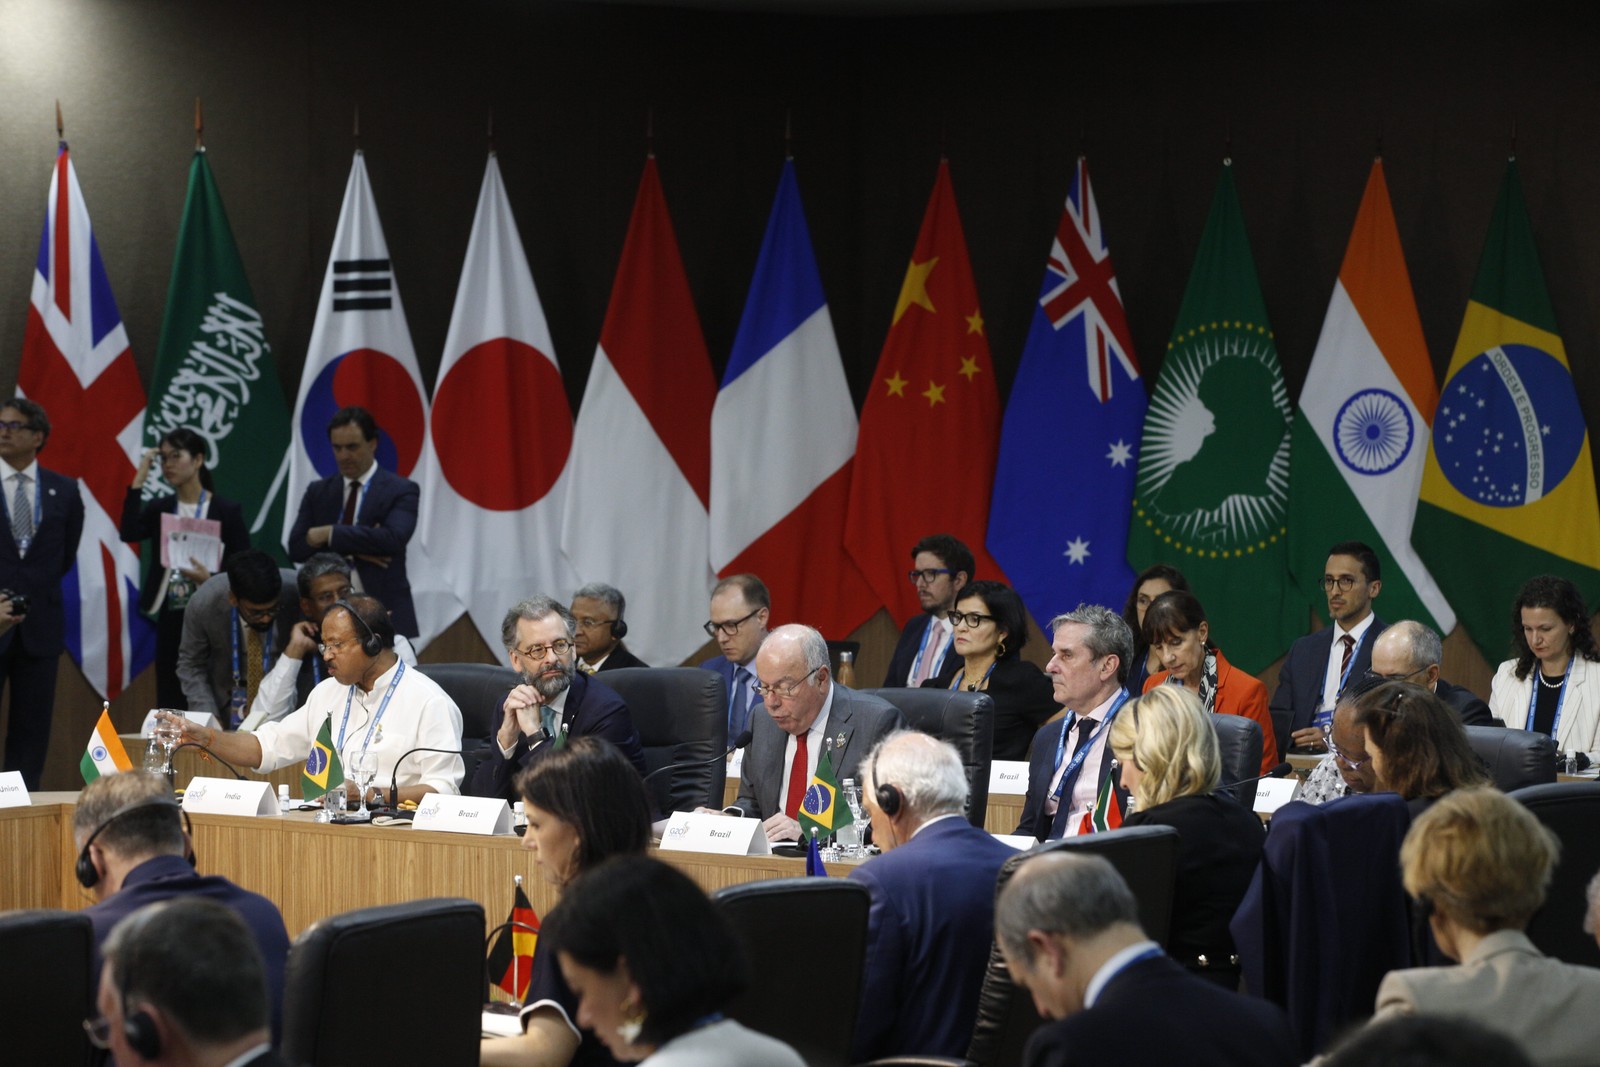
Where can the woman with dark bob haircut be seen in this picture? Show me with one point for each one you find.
(990, 626)
(1417, 744)
(1179, 637)
(1152, 582)
(585, 803)
(164, 593)
(654, 965)
(1552, 685)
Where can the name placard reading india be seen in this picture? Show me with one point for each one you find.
(229, 796)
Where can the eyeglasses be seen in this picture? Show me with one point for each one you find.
(1374, 676)
(1345, 582)
(335, 646)
(14, 426)
(250, 613)
(560, 646)
(927, 574)
(1342, 756)
(971, 620)
(594, 624)
(785, 689)
(332, 596)
(98, 1030)
(728, 628)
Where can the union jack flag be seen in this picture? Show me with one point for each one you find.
(1088, 290)
(76, 362)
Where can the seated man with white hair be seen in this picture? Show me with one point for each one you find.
(932, 915)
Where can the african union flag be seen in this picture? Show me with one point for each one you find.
(323, 770)
(823, 807)
(1508, 491)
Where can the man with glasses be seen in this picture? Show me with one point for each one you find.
(44, 523)
(599, 609)
(740, 608)
(940, 567)
(1319, 666)
(555, 702)
(372, 703)
(236, 627)
(806, 714)
(1410, 652)
(323, 581)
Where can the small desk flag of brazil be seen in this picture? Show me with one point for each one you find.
(822, 807)
(323, 770)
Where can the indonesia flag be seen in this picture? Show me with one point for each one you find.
(361, 354)
(783, 435)
(493, 518)
(76, 362)
(636, 511)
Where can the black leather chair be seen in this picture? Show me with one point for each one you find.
(1516, 758)
(681, 714)
(805, 940)
(1147, 858)
(478, 690)
(329, 1022)
(1239, 745)
(1572, 811)
(51, 955)
(966, 720)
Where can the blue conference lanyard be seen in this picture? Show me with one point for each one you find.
(266, 651)
(1533, 697)
(38, 512)
(399, 672)
(922, 650)
(955, 683)
(1083, 750)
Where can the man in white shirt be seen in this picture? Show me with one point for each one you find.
(941, 566)
(374, 704)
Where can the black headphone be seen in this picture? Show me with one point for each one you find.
(619, 628)
(89, 875)
(371, 644)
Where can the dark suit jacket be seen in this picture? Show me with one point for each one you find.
(1473, 711)
(1041, 768)
(592, 709)
(905, 653)
(1023, 699)
(205, 655)
(862, 719)
(38, 574)
(725, 667)
(384, 524)
(1155, 1014)
(928, 937)
(1294, 705)
(620, 657)
(141, 521)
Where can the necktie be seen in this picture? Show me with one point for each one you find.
(1085, 727)
(739, 705)
(799, 775)
(930, 653)
(349, 516)
(547, 719)
(252, 664)
(585, 666)
(1344, 658)
(22, 514)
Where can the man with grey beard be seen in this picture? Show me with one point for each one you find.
(555, 703)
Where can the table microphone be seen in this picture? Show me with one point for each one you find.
(738, 743)
(213, 755)
(1277, 772)
(394, 782)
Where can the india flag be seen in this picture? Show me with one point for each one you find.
(104, 753)
(1361, 434)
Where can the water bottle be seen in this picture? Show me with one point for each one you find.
(849, 837)
(847, 669)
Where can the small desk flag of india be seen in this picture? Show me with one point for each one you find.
(104, 754)
(323, 770)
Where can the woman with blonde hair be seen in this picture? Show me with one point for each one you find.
(1167, 750)
(1480, 863)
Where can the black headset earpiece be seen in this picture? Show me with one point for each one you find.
(88, 875)
(619, 628)
(141, 1033)
(889, 800)
(371, 644)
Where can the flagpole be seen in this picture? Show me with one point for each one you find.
(516, 974)
(650, 132)
(199, 128)
(492, 152)
(788, 135)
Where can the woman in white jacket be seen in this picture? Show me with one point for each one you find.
(1553, 685)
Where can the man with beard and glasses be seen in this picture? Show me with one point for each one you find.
(235, 628)
(555, 703)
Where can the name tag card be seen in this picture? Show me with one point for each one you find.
(1009, 777)
(1274, 793)
(724, 835)
(229, 796)
(463, 815)
(13, 794)
(199, 718)
(1020, 842)
(736, 763)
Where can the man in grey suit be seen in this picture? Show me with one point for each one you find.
(235, 627)
(807, 714)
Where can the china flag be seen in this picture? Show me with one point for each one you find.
(930, 428)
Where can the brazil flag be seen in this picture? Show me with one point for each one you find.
(323, 769)
(1508, 491)
(823, 808)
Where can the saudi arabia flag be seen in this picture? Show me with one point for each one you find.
(1361, 435)
(1212, 493)
(1508, 491)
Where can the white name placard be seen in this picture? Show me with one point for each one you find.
(13, 794)
(1274, 793)
(725, 835)
(1008, 776)
(736, 763)
(199, 718)
(229, 796)
(463, 815)
(1020, 842)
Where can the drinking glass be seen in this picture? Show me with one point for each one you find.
(365, 770)
(170, 734)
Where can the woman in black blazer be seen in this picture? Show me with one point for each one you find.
(1167, 750)
(164, 594)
